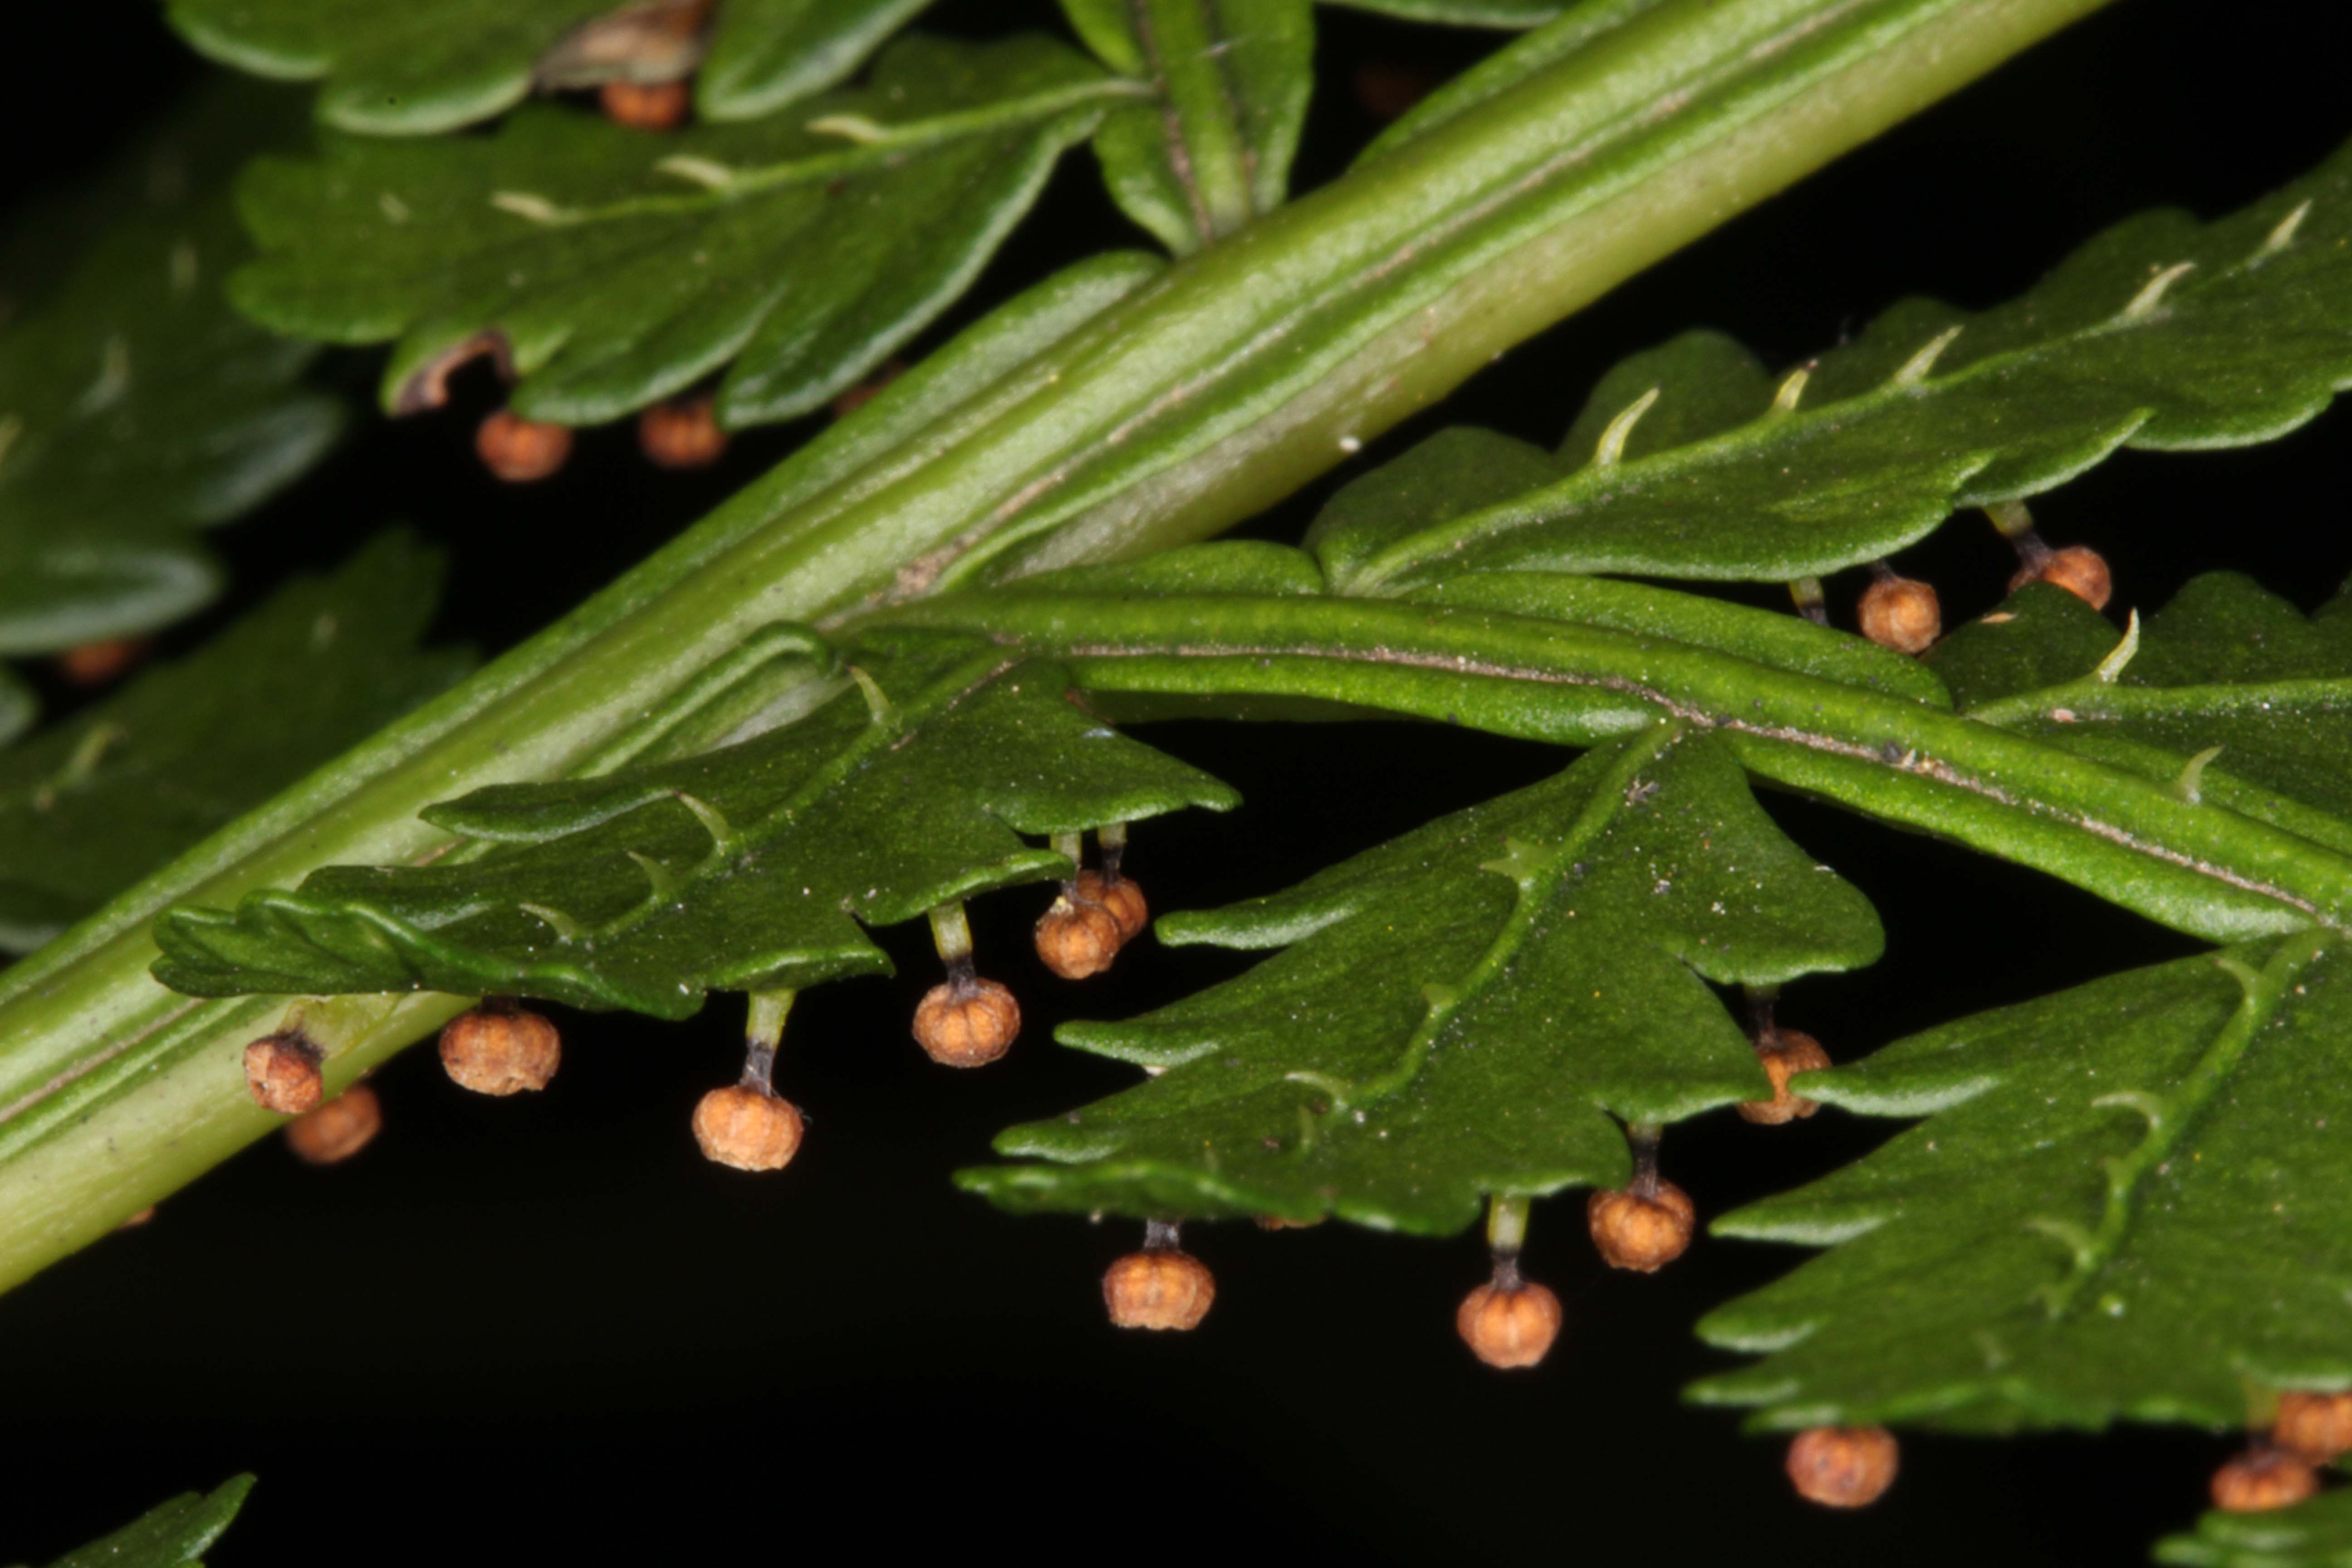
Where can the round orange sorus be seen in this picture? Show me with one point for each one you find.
(2315, 1427)
(1638, 1231)
(1076, 938)
(1509, 1323)
(2079, 569)
(497, 1049)
(1159, 1288)
(1900, 613)
(2262, 1478)
(1784, 1053)
(683, 433)
(521, 450)
(967, 1023)
(283, 1072)
(96, 663)
(339, 1129)
(646, 105)
(1844, 1467)
(1123, 899)
(748, 1126)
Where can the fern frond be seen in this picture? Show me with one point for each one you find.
(2315, 1534)
(2228, 695)
(1212, 149)
(90, 806)
(767, 54)
(1888, 747)
(172, 1533)
(615, 269)
(1690, 461)
(748, 869)
(1578, 662)
(135, 406)
(2128, 1200)
(1461, 1012)
(429, 65)
(1195, 399)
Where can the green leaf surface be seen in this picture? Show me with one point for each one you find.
(2223, 627)
(170, 1533)
(1774, 640)
(1691, 461)
(92, 804)
(2040, 637)
(2225, 864)
(1252, 569)
(1580, 28)
(135, 406)
(620, 268)
(2229, 665)
(1463, 13)
(423, 66)
(746, 868)
(1211, 148)
(766, 54)
(1465, 1010)
(2315, 1534)
(2131, 1199)
(2230, 692)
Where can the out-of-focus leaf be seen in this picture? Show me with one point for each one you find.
(746, 868)
(434, 65)
(1463, 13)
(91, 805)
(620, 268)
(422, 66)
(1211, 148)
(169, 1534)
(16, 705)
(2315, 1534)
(426, 65)
(2131, 1199)
(1468, 1009)
(136, 406)
(1690, 461)
(767, 53)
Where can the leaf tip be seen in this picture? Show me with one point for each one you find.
(2281, 236)
(2151, 293)
(1916, 369)
(1610, 448)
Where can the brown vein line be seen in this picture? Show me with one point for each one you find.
(85, 1066)
(1180, 155)
(1220, 61)
(1909, 763)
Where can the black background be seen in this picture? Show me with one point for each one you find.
(545, 1329)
